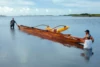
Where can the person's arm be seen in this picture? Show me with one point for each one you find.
(10, 22)
(84, 37)
(16, 23)
(92, 39)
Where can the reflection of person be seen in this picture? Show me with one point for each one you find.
(87, 54)
(12, 23)
(12, 31)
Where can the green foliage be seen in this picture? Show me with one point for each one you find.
(85, 15)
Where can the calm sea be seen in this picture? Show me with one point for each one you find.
(18, 49)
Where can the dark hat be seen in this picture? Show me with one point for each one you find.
(87, 31)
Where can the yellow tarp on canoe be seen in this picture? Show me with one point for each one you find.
(59, 30)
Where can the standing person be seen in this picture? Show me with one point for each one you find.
(12, 23)
(88, 35)
(88, 41)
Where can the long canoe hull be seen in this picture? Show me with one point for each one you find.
(57, 37)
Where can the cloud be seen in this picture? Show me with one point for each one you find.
(77, 3)
(83, 4)
(16, 7)
(48, 7)
(5, 10)
(25, 10)
(26, 2)
(64, 1)
(13, 11)
(10, 11)
(36, 10)
(16, 3)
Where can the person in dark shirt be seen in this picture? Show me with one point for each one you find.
(12, 23)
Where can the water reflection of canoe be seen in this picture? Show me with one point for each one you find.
(57, 37)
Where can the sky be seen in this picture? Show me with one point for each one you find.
(48, 7)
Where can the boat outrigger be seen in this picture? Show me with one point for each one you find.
(57, 37)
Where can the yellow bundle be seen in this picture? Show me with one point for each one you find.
(49, 28)
(59, 30)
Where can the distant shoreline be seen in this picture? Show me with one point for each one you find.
(84, 15)
(72, 15)
(2, 16)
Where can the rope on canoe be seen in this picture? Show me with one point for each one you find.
(58, 26)
(41, 25)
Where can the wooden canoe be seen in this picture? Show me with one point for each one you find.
(64, 39)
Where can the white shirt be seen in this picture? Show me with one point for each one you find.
(88, 44)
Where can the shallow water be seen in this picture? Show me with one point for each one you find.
(18, 49)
